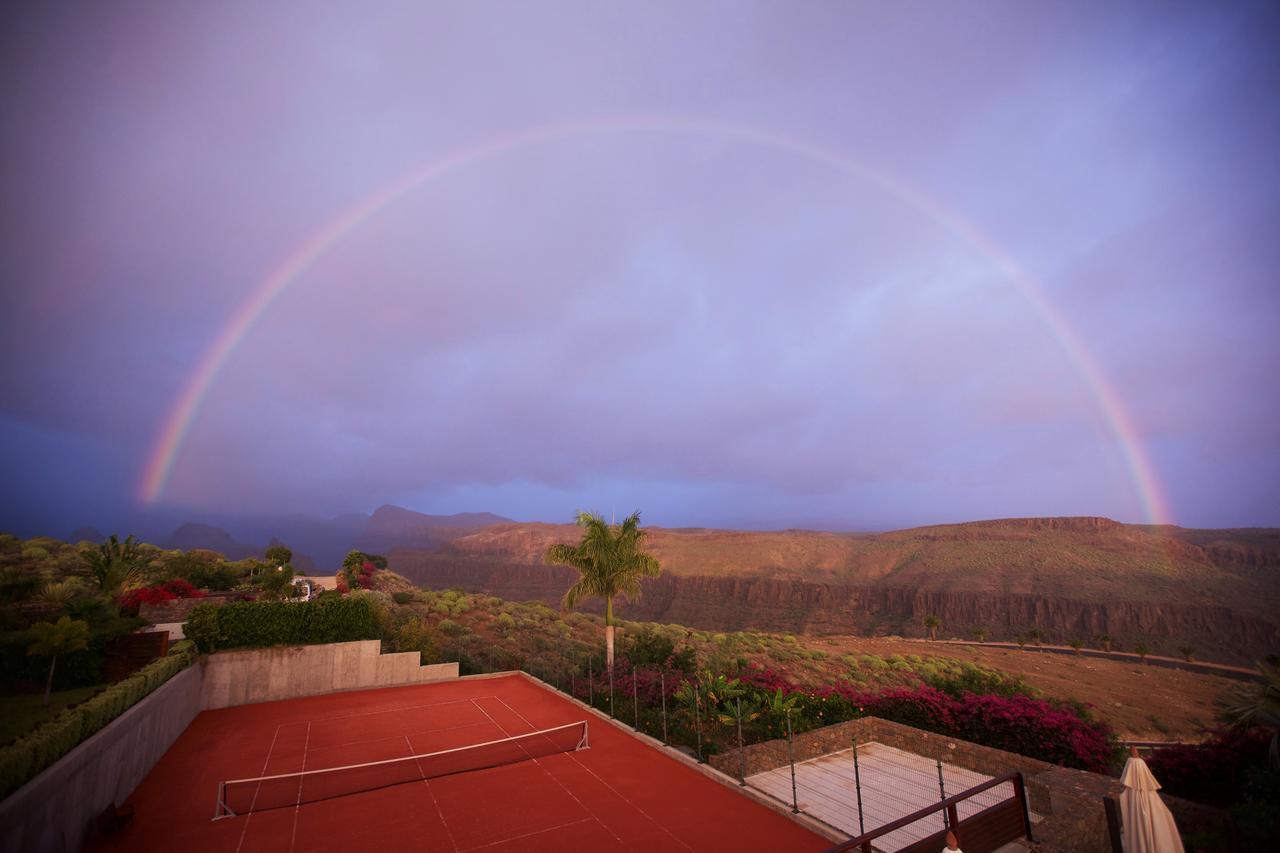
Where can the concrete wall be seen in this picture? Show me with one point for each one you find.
(55, 811)
(285, 672)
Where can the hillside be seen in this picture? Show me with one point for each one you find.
(1068, 577)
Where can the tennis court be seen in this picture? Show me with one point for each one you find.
(544, 794)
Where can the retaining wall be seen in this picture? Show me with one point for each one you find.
(286, 672)
(55, 811)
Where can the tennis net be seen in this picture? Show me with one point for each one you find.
(243, 796)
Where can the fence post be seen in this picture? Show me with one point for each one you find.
(1020, 788)
(942, 790)
(742, 758)
(791, 759)
(857, 787)
(662, 688)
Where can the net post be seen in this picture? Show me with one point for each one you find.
(662, 688)
(857, 787)
(591, 684)
(791, 759)
(742, 759)
(611, 690)
(222, 810)
(635, 698)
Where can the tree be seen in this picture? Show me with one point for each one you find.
(1188, 652)
(932, 622)
(1077, 644)
(279, 555)
(979, 634)
(610, 562)
(1257, 705)
(1143, 651)
(1103, 640)
(276, 582)
(50, 639)
(1035, 636)
(114, 564)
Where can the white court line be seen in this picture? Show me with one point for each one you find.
(563, 787)
(535, 832)
(425, 781)
(615, 791)
(254, 801)
(393, 710)
(293, 836)
(403, 734)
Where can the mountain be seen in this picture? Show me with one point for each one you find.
(1218, 590)
(392, 527)
(192, 536)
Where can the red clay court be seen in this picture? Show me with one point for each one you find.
(618, 794)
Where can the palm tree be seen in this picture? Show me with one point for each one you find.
(114, 564)
(610, 562)
(1258, 705)
(50, 639)
(932, 622)
(1103, 640)
(1143, 651)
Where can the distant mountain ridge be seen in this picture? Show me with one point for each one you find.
(1075, 577)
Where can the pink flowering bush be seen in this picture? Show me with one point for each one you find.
(1021, 724)
(159, 593)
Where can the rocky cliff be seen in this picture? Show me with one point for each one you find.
(760, 603)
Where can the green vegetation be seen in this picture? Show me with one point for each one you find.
(268, 623)
(932, 623)
(22, 712)
(51, 639)
(32, 753)
(610, 562)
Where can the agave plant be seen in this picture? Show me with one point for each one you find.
(61, 592)
(1257, 705)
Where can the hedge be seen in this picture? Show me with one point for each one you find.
(271, 623)
(26, 757)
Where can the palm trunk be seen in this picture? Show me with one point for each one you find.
(48, 688)
(608, 632)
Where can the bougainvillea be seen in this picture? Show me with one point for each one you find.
(1021, 724)
(159, 593)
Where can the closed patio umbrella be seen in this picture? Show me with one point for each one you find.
(1148, 825)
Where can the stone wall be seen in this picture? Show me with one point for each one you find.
(55, 811)
(285, 672)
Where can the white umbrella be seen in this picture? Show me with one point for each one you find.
(1148, 825)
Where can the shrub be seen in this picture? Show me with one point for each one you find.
(402, 597)
(452, 629)
(271, 623)
(29, 755)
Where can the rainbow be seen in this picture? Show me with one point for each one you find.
(169, 443)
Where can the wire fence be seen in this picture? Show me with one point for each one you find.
(856, 790)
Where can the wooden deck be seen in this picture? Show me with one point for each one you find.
(894, 783)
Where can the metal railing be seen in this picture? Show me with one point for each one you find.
(948, 805)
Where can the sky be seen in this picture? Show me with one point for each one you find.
(852, 266)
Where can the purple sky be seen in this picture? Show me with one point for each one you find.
(715, 330)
